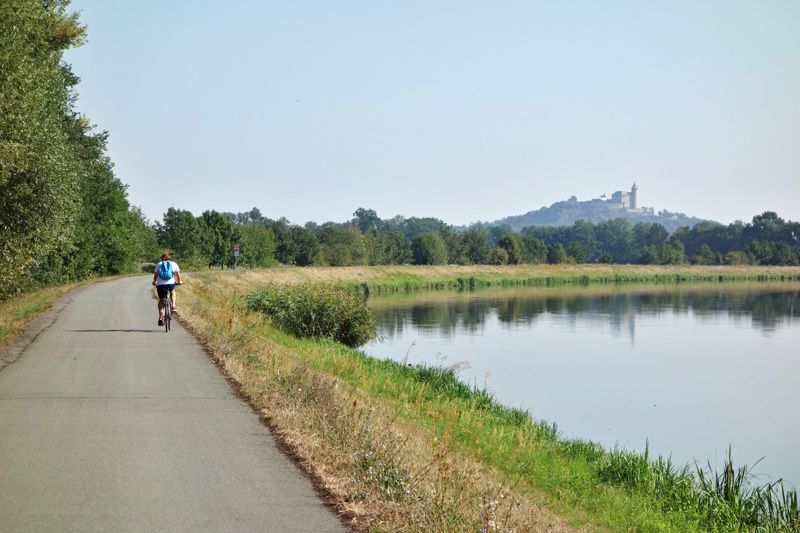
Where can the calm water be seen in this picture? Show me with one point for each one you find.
(692, 368)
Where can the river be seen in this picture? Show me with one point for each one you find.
(688, 369)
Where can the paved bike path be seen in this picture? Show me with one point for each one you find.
(107, 423)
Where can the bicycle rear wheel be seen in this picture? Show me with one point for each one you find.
(167, 314)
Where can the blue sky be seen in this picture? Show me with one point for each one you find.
(460, 110)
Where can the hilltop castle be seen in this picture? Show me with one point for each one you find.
(622, 199)
(627, 199)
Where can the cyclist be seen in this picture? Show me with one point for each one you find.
(167, 275)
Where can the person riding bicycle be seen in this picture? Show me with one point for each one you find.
(167, 275)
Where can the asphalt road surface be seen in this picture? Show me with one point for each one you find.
(107, 423)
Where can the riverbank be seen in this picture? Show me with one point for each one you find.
(407, 277)
(411, 448)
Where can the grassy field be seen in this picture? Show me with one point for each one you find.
(401, 448)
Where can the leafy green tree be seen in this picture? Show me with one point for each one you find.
(63, 213)
(397, 248)
(389, 247)
(649, 256)
(181, 233)
(534, 251)
(605, 258)
(475, 244)
(285, 248)
(455, 249)
(772, 253)
(307, 247)
(257, 245)
(366, 219)
(39, 172)
(106, 244)
(648, 234)
(219, 232)
(704, 256)
(509, 243)
(616, 237)
(497, 232)
(145, 233)
(413, 226)
(342, 245)
(429, 249)
(578, 252)
(584, 233)
(767, 226)
(556, 253)
(667, 254)
(672, 253)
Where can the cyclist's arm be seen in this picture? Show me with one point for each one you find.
(155, 278)
(178, 278)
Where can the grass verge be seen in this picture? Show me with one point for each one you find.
(18, 311)
(403, 448)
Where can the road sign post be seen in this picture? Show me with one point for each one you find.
(235, 256)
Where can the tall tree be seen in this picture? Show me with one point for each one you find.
(475, 242)
(39, 172)
(510, 244)
(556, 253)
(257, 245)
(429, 249)
(366, 219)
(181, 233)
(220, 231)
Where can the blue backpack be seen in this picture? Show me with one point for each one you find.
(165, 270)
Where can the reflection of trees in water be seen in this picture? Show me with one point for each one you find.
(765, 308)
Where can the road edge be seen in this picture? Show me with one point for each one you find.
(14, 348)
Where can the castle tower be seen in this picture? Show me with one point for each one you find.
(634, 202)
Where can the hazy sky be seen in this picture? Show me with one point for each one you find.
(459, 110)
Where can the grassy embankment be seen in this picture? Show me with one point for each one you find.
(18, 311)
(411, 448)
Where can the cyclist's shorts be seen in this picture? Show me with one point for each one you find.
(164, 289)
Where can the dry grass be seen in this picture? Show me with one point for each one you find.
(245, 280)
(18, 311)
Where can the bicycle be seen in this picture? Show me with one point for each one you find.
(165, 301)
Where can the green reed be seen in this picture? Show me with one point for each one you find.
(316, 311)
(730, 500)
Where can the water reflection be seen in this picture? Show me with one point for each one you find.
(692, 368)
(766, 305)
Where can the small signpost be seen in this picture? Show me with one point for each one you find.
(235, 256)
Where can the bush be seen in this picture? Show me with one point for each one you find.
(315, 311)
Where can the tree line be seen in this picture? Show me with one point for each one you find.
(63, 214)
(366, 239)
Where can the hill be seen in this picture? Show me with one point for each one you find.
(566, 212)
